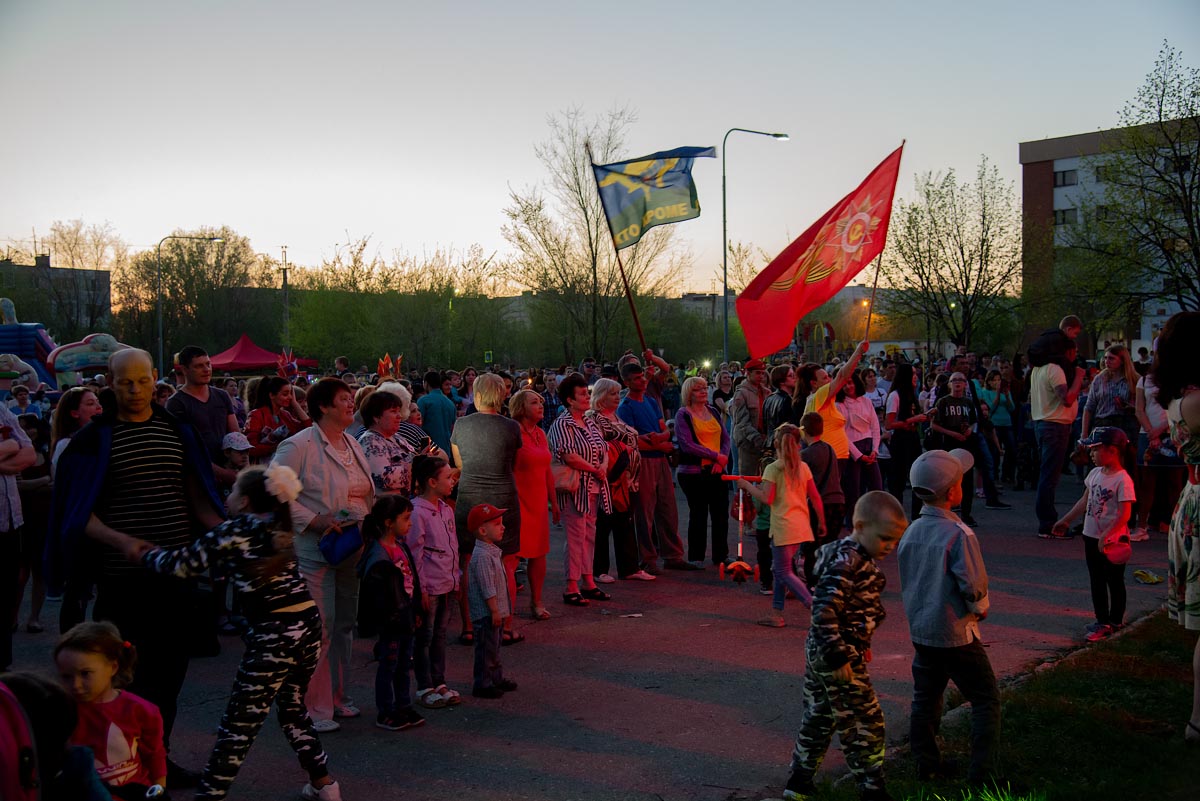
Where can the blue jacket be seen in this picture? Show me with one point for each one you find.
(79, 480)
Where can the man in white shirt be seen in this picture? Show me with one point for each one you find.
(1053, 400)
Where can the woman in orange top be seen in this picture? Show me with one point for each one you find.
(703, 455)
(817, 392)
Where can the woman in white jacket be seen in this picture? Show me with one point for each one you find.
(337, 493)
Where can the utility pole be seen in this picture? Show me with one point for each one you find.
(287, 309)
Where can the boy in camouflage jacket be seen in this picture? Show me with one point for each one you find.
(838, 696)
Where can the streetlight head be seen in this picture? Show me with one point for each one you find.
(782, 137)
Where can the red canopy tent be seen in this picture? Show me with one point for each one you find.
(245, 355)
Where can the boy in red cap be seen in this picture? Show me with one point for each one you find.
(487, 597)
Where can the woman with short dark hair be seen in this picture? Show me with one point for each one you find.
(577, 442)
(338, 493)
(389, 455)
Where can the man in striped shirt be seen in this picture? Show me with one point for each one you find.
(142, 473)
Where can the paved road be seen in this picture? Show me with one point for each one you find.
(689, 701)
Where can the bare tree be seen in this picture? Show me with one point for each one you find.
(954, 253)
(563, 244)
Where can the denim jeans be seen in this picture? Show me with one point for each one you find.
(784, 557)
(488, 670)
(429, 655)
(968, 667)
(394, 656)
(1053, 439)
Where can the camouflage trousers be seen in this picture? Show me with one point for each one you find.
(852, 710)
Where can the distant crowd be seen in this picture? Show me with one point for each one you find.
(302, 512)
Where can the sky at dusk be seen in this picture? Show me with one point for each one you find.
(307, 124)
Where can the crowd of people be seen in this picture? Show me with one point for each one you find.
(378, 505)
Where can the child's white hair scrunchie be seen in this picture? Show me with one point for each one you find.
(282, 483)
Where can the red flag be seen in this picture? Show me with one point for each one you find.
(821, 261)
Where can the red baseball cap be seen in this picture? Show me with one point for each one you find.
(481, 514)
(755, 364)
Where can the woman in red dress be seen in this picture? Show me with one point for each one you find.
(535, 491)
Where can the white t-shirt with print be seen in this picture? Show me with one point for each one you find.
(1105, 495)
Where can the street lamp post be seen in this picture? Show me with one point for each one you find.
(158, 250)
(725, 236)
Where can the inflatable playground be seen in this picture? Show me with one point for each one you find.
(30, 357)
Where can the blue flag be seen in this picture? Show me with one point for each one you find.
(641, 193)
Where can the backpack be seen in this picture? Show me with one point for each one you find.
(618, 475)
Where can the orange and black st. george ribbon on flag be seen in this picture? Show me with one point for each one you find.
(821, 261)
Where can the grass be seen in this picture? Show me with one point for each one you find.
(1107, 723)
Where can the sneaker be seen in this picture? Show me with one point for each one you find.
(997, 504)
(1093, 627)
(772, 620)
(970, 521)
(330, 792)
(346, 711)
(1139, 535)
(604, 578)
(799, 787)
(641, 575)
(431, 698)
(388, 723)
(409, 718)
(507, 685)
(324, 727)
(763, 589)
(1102, 633)
(491, 693)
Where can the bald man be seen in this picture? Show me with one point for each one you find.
(138, 471)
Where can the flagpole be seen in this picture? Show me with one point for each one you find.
(637, 323)
(871, 307)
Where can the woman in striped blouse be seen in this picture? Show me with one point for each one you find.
(576, 441)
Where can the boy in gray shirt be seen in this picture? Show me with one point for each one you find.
(944, 585)
(487, 596)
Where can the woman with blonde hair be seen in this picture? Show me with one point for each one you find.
(622, 475)
(535, 493)
(484, 446)
(703, 456)
(1111, 401)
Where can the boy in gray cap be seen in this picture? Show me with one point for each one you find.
(944, 585)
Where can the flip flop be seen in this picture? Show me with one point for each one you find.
(509, 637)
(597, 594)
(538, 613)
(1146, 577)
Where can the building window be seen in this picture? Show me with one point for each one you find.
(1103, 171)
(1066, 216)
(1066, 177)
(1104, 213)
(1181, 163)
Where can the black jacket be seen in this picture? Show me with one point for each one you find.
(384, 608)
